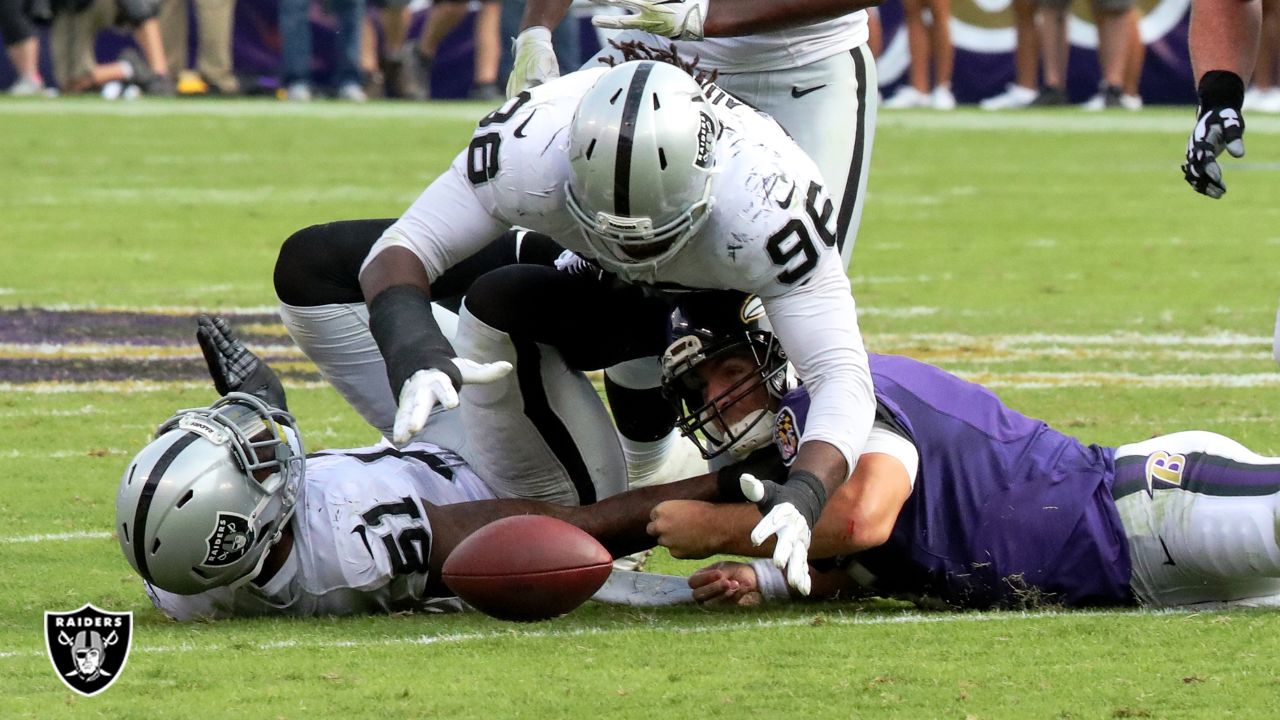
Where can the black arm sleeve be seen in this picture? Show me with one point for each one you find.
(763, 463)
(407, 334)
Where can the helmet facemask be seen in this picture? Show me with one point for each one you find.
(706, 420)
(631, 245)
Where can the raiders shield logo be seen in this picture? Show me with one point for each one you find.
(229, 541)
(88, 647)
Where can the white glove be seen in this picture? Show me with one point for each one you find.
(535, 60)
(425, 388)
(791, 553)
(679, 20)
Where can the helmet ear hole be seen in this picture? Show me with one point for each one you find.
(186, 499)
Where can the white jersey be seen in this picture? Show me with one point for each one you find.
(762, 52)
(771, 232)
(361, 539)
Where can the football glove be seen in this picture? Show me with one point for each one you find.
(535, 60)
(233, 367)
(679, 20)
(1219, 126)
(425, 388)
(790, 512)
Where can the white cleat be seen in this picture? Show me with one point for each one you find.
(942, 99)
(1014, 97)
(907, 98)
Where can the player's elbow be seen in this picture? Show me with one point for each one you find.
(848, 530)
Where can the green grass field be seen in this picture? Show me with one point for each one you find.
(1058, 257)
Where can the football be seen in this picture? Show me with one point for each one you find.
(527, 567)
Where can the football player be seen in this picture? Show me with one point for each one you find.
(223, 514)
(804, 62)
(661, 186)
(958, 497)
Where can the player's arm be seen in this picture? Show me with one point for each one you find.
(534, 59)
(860, 515)
(745, 584)
(618, 522)
(696, 19)
(816, 322)
(545, 13)
(1223, 37)
(445, 224)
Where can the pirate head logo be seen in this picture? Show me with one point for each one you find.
(785, 435)
(88, 647)
(706, 140)
(229, 541)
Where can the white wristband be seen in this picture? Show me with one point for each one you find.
(770, 581)
(537, 32)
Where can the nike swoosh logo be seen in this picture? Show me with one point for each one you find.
(520, 130)
(786, 202)
(798, 93)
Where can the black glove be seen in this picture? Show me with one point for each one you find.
(233, 367)
(1219, 125)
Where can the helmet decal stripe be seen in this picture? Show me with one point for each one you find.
(147, 494)
(626, 134)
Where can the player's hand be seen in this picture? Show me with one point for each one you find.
(233, 366)
(681, 527)
(726, 583)
(783, 519)
(1219, 126)
(679, 20)
(1215, 130)
(535, 60)
(426, 388)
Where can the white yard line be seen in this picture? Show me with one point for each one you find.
(264, 108)
(1222, 339)
(512, 632)
(151, 309)
(1035, 380)
(56, 537)
(126, 386)
(1158, 121)
(119, 351)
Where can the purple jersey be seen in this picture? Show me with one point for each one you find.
(1005, 509)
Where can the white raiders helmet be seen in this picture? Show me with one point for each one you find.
(200, 506)
(641, 147)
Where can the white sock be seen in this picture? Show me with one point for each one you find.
(645, 458)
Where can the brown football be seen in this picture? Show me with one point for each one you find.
(527, 567)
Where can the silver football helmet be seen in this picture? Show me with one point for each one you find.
(642, 150)
(713, 325)
(200, 506)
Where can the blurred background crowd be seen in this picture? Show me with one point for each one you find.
(999, 54)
